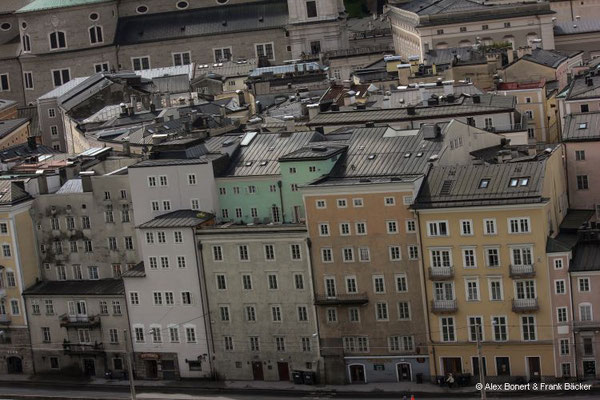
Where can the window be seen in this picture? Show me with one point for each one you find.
(139, 63)
(475, 328)
(222, 54)
(484, 27)
(61, 273)
(518, 225)
(585, 312)
(561, 314)
(49, 306)
(96, 35)
(401, 283)
(254, 343)
(184, 58)
(295, 252)
(324, 229)
(306, 344)
(321, 204)
(588, 346)
(221, 282)
(411, 225)
(61, 76)
(469, 259)
(437, 228)
(250, 313)
(217, 253)
(224, 313)
(344, 229)
(354, 314)
(228, 343)
(243, 253)
(166, 205)
(559, 286)
(332, 315)
(392, 227)
(276, 313)
(582, 182)
(26, 41)
(51, 113)
(311, 9)
(195, 204)
(440, 31)
(378, 284)
(93, 272)
(522, 255)
(265, 50)
(299, 281)
(326, 255)
(403, 310)
(112, 243)
(116, 270)
(381, 311)
(484, 183)
(342, 203)
(489, 226)
(495, 289)
(4, 83)
(157, 298)
(178, 237)
(6, 252)
(272, 281)
(181, 262)
(564, 347)
(186, 298)
(330, 287)
(46, 337)
(348, 254)
(500, 329)
(101, 67)
(357, 202)
(134, 298)
(269, 252)
(413, 252)
(113, 335)
(507, 24)
(116, 305)
(190, 334)
(472, 287)
(447, 334)
(492, 256)
(525, 289)
(395, 253)
(583, 284)
(579, 155)
(466, 227)
(440, 258)
(139, 334)
(584, 108)
(351, 286)
(302, 314)
(528, 327)
(152, 181)
(152, 262)
(28, 80)
(58, 40)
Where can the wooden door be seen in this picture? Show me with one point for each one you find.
(257, 371)
(284, 371)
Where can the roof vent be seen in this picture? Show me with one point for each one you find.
(372, 156)
(446, 187)
(319, 148)
(248, 163)
(263, 163)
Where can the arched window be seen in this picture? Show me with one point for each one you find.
(58, 40)
(441, 45)
(464, 43)
(96, 34)
(26, 44)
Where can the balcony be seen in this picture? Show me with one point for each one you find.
(342, 299)
(441, 273)
(522, 271)
(79, 321)
(5, 319)
(586, 325)
(83, 348)
(525, 305)
(443, 306)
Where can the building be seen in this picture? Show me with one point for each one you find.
(570, 10)
(13, 131)
(578, 34)
(484, 230)
(580, 137)
(418, 27)
(19, 270)
(260, 294)
(8, 109)
(580, 96)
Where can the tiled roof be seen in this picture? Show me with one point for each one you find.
(461, 186)
(40, 5)
(8, 126)
(203, 21)
(179, 218)
(584, 126)
(97, 287)
(574, 27)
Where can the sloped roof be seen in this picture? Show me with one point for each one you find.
(136, 272)
(582, 126)
(40, 5)
(460, 186)
(9, 6)
(179, 218)
(580, 90)
(586, 257)
(6, 103)
(8, 126)
(201, 22)
(25, 150)
(62, 89)
(71, 186)
(97, 287)
(11, 193)
(562, 28)
(549, 58)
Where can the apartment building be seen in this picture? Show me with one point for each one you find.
(18, 271)
(484, 230)
(580, 96)
(418, 27)
(260, 295)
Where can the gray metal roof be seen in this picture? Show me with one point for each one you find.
(460, 186)
(584, 126)
(8, 126)
(412, 95)
(10, 6)
(285, 69)
(490, 103)
(549, 58)
(12, 193)
(62, 89)
(84, 287)
(25, 150)
(71, 186)
(202, 21)
(179, 219)
(171, 162)
(574, 27)
(31, 113)
(316, 151)
(579, 89)
(586, 257)
(445, 56)
(227, 69)
(5, 103)
(136, 272)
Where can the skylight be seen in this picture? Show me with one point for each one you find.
(407, 155)
(524, 181)
(372, 156)
(514, 182)
(248, 163)
(583, 125)
(419, 154)
(484, 183)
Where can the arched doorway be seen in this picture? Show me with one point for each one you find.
(404, 372)
(14, 365)
(357, 373)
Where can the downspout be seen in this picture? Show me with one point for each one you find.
(572, 319)
(312, 281)
(279, 185)
(204, 297)
(22, 77)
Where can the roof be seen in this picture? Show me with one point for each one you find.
(9, 6)
(285, 69)
(574, 27)
(179, 219)
(586, 257)
(97, 287)
(412, 95)
(71, 186)
(40, 5)
(31, 113)
(260, 156)
(521, 85)
(12, 193)
(6, 103)
(575, 219)
(461, 186)
(317, 151)
(367, 24)
(8, 126)
(549, 58)
(136, 272)
(152, 73)
(227, 69)
(446, 56)
(581, 90)
(25, 150)
(489, 103)
(442, 12)
(170, 162)
(562, 243)
(201, 22)
(581, 127)
(62, 89)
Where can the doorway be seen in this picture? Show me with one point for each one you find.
(502, 366)
(89, 367)
(151, 369)
(452, 365)
(357, 373)
(14, 365)
(284, 371)
(475, 364)
(404, 372)
(257, 371)
(534, 368)
(589, 369)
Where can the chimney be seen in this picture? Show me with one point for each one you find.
(86, 180)
(126, 148)
(241, 98)
(289, 123)
(386, 102)
(335, 107)
(423, 93)
(410, 110)
(42, 182)
(476, 99)
(157, 138)
(123, 108)
(403, 74)
(448, 88)
(313, 110)
(31, 143)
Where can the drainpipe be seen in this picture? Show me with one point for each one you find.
(572, 319)
(312, 281)
(206, 312)
(279, 185)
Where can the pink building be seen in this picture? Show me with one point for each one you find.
(581, 138)
(581, 96)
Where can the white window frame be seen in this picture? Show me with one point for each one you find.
(141, 63)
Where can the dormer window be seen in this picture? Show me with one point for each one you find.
(484, 183)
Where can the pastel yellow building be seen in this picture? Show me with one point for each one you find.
(18, 270)
(483, 235)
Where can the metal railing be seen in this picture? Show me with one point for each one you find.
(441, 272)
(443, 306)
(521, 305)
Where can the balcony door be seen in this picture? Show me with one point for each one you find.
(444, 291)
(525, 289)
